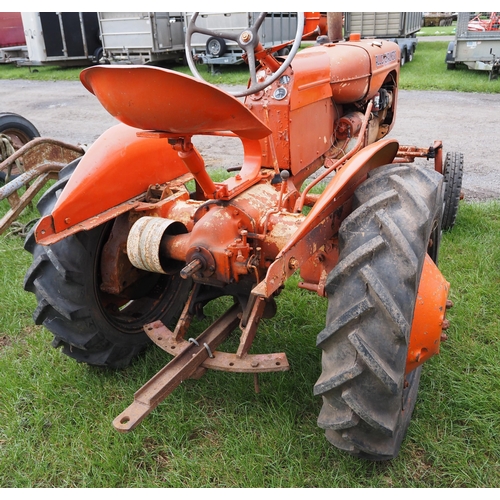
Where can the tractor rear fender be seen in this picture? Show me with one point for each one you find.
(317, 227)
(118, 167)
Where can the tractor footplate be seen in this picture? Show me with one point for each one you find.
(180, 368)
(222, 361)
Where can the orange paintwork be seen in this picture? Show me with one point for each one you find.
(121, 165)
(430, 309)
(323, 79)
(159, 99)
(311, 77)
(117, 167)
(316, 23)
(303, 243)
(346, 71)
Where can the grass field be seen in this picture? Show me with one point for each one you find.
(427, 71)
(56, 415)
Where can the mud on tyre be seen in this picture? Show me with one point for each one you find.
(367, 399)
(88, 324)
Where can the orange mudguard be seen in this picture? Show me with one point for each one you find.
(117, 167)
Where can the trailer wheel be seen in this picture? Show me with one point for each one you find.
(453, 174)
(90, 325)
(97, 56)
(367, 398)
(19, 130)
(216, 46)
(403, 57)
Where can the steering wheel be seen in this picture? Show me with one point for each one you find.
(248, 40)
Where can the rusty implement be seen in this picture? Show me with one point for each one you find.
(183, 366)
(192, 359)
(40, 159)
(407, 154)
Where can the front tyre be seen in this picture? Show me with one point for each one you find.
(453, 175)
(367, 398)
(92, 326)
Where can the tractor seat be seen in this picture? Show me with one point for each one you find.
(158, 99)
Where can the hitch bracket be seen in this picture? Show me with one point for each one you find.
(180, 368)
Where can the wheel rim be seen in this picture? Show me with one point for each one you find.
(17, 137)
(214, 47)
(128, 315)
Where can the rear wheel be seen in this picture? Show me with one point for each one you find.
(367, 397)
(403, 57)
(90, 325)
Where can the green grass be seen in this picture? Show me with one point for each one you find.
(427, 71)
(437, 30)
(55, 414)
(41, 73)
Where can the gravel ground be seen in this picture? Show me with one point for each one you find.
(465, 122)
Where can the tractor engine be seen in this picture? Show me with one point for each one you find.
(317, 110)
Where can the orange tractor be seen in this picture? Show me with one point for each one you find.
(136, 238)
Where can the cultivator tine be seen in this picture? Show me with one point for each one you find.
(151, 394)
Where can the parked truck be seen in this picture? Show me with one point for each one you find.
(221, 50)
(277, 29)
(398, 27)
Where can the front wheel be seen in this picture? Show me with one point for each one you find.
(453, 174)
(367, 396)
(90, 325)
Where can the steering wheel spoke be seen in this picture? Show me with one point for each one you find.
(221, 34)
(247, 40)
(252, 66)
(258, 23)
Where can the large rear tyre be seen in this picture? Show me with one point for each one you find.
(92, 326)
(367, 398)
(453, 174)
